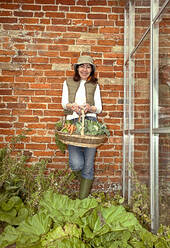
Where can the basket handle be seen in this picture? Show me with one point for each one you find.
(83, 117)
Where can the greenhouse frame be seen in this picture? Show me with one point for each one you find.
(146, 147)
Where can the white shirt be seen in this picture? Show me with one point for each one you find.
(80, 99)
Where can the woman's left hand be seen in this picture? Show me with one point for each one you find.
(88, 108)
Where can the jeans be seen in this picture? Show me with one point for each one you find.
(82, 158)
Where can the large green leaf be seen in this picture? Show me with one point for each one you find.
(70, 243)
(32, 229)
(59, 233)
(13, 217)
(112, 239)
(118, 218)
(13, 211)
(62, 209)
(103, 220)
(14, 201)
(9, 236)
(38, 224)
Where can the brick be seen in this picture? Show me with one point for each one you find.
(97, 16)
(38, 112)
(56, 28)
(109, 30)
(37, 139)
(16, 105)
(101, 9)
(40, 86)
(65, 2)
(52, 113)
(31, 7)
(34, 27)
(5, 92)
(79, 9)
(77, 29)
(47, 119)
(28, 119)
(55, 15)
(41, 99)
(12, 27)
(6, 132)
(101, 49)
(96, 2)
(19, 125)
(107, 74)
(36, 146)
(10, 98)
(36, 126)
(36, 106)
(44, 154)
(7, 118)
(40, 92)
(29, 21)
(8, 20)
(117, 10)
(49, 53)
(6, 79)
(50, 8)
(21, 112)
(5, 59)
(9, 6)
(23, 13)
(41, 66)
(58, 47)
(23, 92)
(5, 125)
(86, 42)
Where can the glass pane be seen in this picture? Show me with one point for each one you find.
(142, 18)
(142, 157)
(164, 69)
(141, 177)
(162, 2)
(164, 178)
(142, 85)
(126, 116)
(126, 156)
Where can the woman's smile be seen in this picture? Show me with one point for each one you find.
(84, 71)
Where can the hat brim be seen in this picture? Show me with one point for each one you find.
(76, 65)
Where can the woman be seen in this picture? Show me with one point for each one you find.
(82, 92)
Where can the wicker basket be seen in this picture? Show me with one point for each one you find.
(81, 139)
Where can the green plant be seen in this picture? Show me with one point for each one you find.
(139, 202)
(62, 147)
(62, 222)
(29, 182)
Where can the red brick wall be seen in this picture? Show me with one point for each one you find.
(40, 41)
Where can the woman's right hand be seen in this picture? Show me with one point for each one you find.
(74, 107)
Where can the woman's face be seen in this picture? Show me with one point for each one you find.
(84, 71)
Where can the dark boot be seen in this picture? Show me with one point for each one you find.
(85, 187)
(77, 174)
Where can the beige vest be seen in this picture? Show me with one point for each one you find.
(72, 89)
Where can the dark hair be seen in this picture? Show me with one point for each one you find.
(91, 78)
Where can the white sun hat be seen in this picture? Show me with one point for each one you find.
(85, 59)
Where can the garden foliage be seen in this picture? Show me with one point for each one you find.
(62, 222)
(37, 210)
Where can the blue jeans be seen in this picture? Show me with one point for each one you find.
(82, 159)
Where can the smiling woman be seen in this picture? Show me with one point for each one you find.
(81, 94)
(84, 71)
